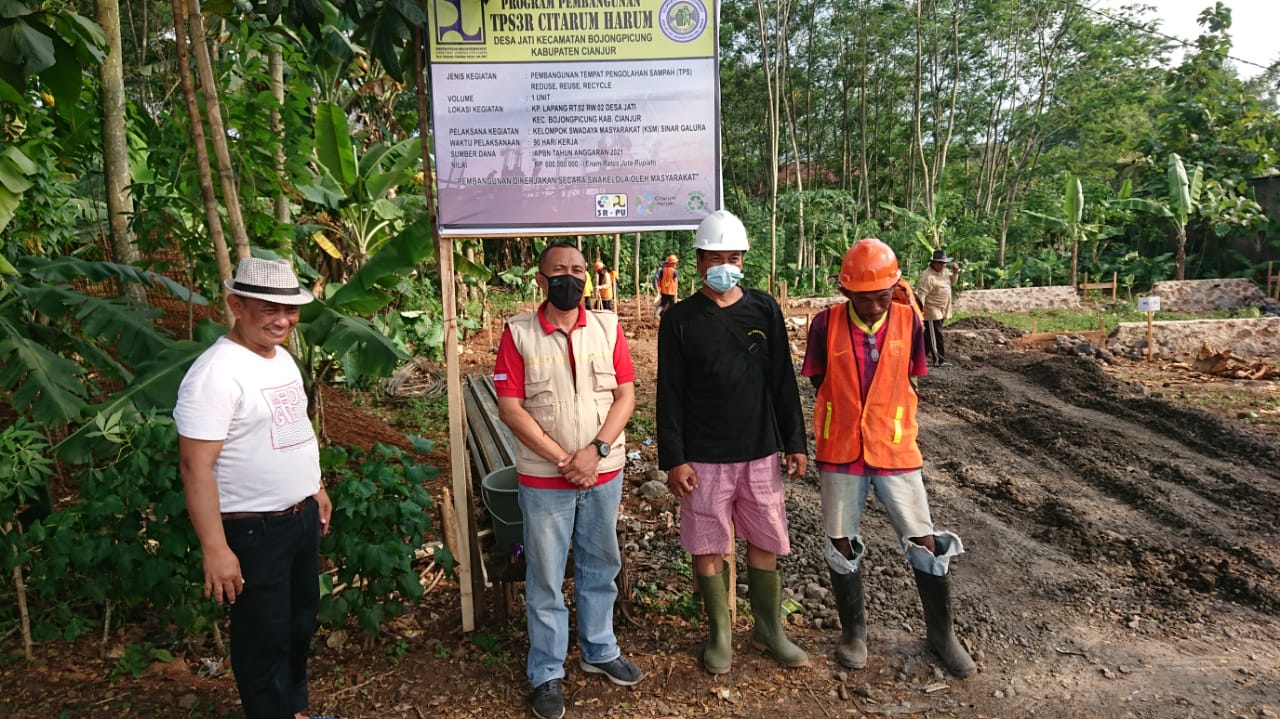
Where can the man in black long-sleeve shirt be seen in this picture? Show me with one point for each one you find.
(727, 405)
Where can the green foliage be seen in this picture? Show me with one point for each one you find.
(64, 344)
(424, 416)
(125, 539)
(380, 518)
(496, 655)
(360, 182)
(673, 601)
(24, 484)
(135, 659)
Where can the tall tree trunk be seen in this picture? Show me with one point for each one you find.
(115, 145)
(275, 67)
(916, 112)
(771, 61)
(864, 165)
(217, 132)
(795, 151)
(212, 218)
(617, 258)
(1180, 257)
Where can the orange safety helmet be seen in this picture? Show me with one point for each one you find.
(599, 265)
(869, 266)
(672, 259)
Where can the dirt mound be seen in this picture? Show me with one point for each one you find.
(978, 322)
(1166, 495)
(347, 425)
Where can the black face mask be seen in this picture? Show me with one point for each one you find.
(565, 291)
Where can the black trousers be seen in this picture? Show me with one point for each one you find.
(933, 340)
(273, 619)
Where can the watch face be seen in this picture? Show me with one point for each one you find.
(602, 447)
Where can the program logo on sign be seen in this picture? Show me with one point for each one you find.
(611, 206)
(682, 20)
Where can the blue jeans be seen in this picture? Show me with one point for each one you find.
(273, 619)
(556, 520)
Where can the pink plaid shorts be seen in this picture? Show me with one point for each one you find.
(743, 495)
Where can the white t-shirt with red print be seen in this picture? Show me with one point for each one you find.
(257, 407)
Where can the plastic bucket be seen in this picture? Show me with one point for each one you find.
(500, 491)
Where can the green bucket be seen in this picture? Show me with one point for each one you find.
(500, 491)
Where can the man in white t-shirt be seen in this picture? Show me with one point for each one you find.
(251, 470)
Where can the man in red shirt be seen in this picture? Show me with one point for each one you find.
(566, 388)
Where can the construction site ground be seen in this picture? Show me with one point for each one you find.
(1120, 523)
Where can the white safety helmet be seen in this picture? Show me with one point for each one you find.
(721, 231)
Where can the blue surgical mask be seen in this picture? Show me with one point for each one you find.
(722, 278)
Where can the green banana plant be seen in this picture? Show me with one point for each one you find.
(65, 349)
(359, 184)
(1179, 205)
(335, 328)
(1071, 223)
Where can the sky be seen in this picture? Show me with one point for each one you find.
(1254, 25)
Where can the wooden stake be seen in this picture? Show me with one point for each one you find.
(449, 520)
(731, 559)
(24, 617)
(457, 434)
(1151, 344)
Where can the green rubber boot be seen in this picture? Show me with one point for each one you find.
(765, 587)
(717, 657)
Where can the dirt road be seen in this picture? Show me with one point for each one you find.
(1122, 556)
(1122, 548)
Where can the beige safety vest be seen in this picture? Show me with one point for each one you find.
(570, 411)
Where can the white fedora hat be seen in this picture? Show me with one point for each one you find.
(268, 280)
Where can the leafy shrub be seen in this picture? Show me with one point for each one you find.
(381, 516)
(126, 540)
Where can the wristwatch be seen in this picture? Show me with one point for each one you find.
(601, 446)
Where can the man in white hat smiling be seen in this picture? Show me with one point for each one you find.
(251, 470)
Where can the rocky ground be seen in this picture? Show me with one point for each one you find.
(1122, 556)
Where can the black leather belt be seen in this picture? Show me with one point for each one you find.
(301, 505)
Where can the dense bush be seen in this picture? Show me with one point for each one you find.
(124, 544)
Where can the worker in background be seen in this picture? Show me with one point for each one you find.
(605, 282)
(666, 280)
(863, 357)
(934, 292)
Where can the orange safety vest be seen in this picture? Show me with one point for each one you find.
(667, 280)
(883, 431)
(604, 284)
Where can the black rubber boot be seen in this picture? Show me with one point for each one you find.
(935, 597)
(851, 652)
